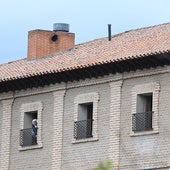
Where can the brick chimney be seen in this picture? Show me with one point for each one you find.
(44, 42)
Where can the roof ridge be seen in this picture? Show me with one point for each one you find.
(141, 28)
(14, 61)
(127, 31)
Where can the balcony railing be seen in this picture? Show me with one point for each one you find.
(83, 129)
(27, 138)
(142, 121)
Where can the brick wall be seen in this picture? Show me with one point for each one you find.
(86, 155)
(39, 158)
(146, 151)
(0, 127)
(114, 124)
(6, 133)
(57, 129)
(40, 43)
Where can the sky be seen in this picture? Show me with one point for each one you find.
(88, 19)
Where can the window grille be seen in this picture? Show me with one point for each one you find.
(83, 129)
(142, 121)
(27, 138)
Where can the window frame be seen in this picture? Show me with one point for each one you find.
(32, 107)
(153, 88)
(146, 100)
(84, 99)
(84, 125)
(26, 135)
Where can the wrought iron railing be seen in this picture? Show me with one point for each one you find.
(142, 121)
(83, 129)
(27, 138)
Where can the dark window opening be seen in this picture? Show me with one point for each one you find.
(26, 135)
(84, 125)
(142, 119)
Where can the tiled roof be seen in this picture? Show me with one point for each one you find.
(130, 44)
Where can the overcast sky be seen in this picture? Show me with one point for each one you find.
(88, 19)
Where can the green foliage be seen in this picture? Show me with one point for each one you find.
(104, 166)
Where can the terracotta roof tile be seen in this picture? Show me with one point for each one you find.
(130, 44)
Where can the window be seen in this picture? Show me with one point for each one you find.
(145, 109)
(85, 117)
(142, 119)
(27, 137)
(83, 126)
(27, 140)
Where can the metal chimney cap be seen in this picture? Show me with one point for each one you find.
(61, 27)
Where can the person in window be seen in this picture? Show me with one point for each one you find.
(34, 131)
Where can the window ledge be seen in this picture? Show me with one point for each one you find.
(92, 139)
(143, 133)
(23, 148)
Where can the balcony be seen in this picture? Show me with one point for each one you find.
(26, 137)
(142, 121)
(83, 129)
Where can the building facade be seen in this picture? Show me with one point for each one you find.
(97, 101)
